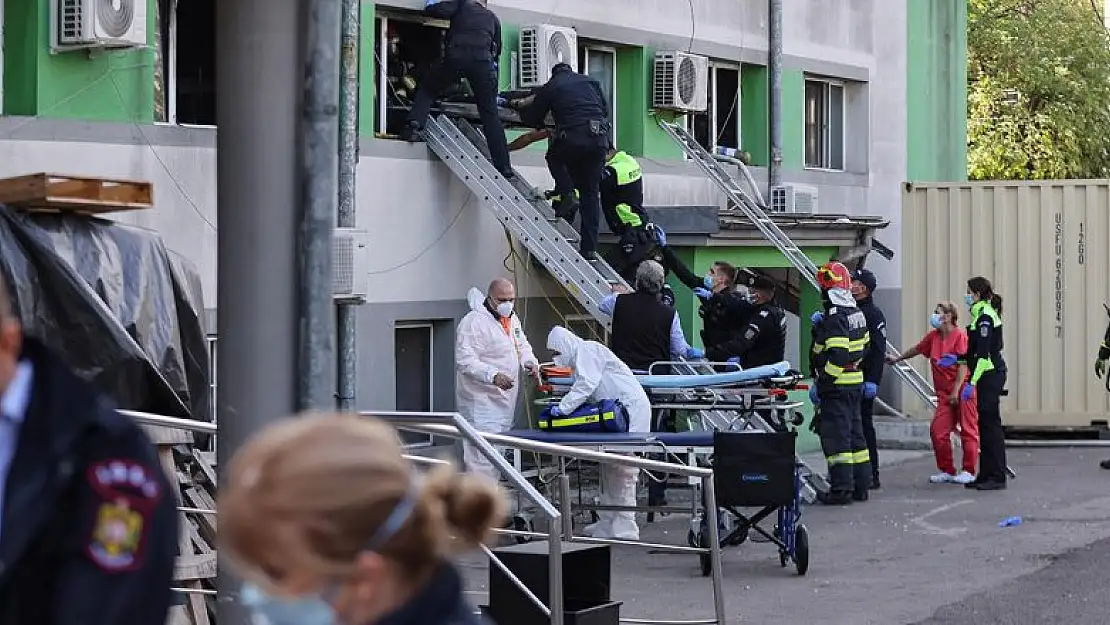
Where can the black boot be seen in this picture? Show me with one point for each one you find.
(412, 133)
(835, 498)
(566, 208)
(1105, 464)
(860, 495)
(875, 485)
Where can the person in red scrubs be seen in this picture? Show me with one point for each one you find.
(952, 415)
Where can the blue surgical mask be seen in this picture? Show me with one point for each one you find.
(709, 282)
(969, 299)
(316, 608)
(935, 320)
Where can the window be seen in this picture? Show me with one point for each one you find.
(407, 47)
(412, 361)
(601, 63)
(185, 71)
(719, 125)
(824, 124)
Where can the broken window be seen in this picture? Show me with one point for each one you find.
(185, 62)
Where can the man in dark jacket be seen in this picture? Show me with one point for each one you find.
(763, 340)
(863, 287)
(724, 311)
(90, 528)
(576, 156)
(1100, 366)
(471, 50)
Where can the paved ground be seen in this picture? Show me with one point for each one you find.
(915, 554)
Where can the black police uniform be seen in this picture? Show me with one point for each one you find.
(988, 374)
(470, 50)
(90, 525)
(762, 341)
(873, 366)
(840, 343)
(723, 315)
(576, 156)
(1104, 354)
(440, 602)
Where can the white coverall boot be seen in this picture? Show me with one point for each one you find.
(619, 489)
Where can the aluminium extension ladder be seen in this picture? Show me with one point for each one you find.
(753, 210)
(551, 240)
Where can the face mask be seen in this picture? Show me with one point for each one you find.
(969, 299)
(316, 609)
(505, 309)
(935, 320)
(709, 282)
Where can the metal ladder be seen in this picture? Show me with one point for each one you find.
(770, 230)
(530, 219)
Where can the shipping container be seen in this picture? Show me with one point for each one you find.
(1045, 245)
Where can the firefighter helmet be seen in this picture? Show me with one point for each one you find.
(833, 275)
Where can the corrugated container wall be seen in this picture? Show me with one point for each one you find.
(1046, 248)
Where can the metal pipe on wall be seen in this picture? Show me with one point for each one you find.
(257, 208)
(319, 195)
(348, 167)
(774, 104)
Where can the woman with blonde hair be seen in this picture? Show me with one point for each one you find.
(952, 415)
(328, 523)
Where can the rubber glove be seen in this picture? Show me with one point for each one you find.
(947, 360)
(660, 236)
(502, 102)
(703, 293)
(495, 66)
(813, 395)
(694, 353)
(1100, 368)
(816, 317)
(555, 412)
(870, 390)
(965, 394)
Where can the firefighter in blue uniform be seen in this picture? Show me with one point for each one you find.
(1100, 366)
(576, 156)
(863, 288)
(90, 528)
(840, 343)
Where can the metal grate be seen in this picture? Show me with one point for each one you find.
(529, 58)
(71, 15)
(687, 80)
(663, 91)
(343, 264)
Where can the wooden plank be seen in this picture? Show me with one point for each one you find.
(198, 606)
(61, 193)
(198, 498)
(179, 615)
(205, 466)
(195, 567)
(162, 435)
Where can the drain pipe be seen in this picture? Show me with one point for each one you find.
(348, 166)
(774, 67)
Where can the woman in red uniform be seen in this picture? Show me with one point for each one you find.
(952, 415)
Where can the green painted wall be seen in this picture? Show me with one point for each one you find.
(637, 131)
(936, 91)
(367, 76)
(754, 106)
(793, 119)
(110, 86)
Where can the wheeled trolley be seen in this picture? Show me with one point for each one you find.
(757, 470)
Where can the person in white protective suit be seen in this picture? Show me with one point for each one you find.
(490, 352)
(598, 375)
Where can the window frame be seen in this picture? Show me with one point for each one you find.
(713, 111)
(584, 66)
(169, 77)
(825, 125)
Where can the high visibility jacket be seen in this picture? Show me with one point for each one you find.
(984, 341)
(840, 342)
(622, 193)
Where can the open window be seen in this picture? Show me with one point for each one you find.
(719, 125)
(824, 124)
(185, 71)
(600, 62)
(407, 47)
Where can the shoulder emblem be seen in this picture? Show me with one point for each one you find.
(124, 494)
(764, 313)
(832, 310)
(984, 330)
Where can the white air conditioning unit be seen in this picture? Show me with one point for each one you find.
(350, 254)
(98, 24)
(794, 198)
(543, 47)
(680, 82)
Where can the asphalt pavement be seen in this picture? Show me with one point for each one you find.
(916, 553)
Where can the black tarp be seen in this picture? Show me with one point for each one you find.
(115, 304)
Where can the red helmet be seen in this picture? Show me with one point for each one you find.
(833, 275)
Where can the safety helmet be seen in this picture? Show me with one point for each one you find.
(833, 275)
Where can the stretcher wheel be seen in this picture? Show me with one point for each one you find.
(801, 549)
(705, 560)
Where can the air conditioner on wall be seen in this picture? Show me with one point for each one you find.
(82, 24)
(543, 47)
(350, 255)
(794, 198)
(680, 82)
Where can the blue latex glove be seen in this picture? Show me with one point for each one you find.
(502, 102)
(734, 360)
(703, 293)
(813, 395)
(495, 67)
(660, 236)
(694, 353)
(947, 360)
(816, 317)
(554, 411)
(965, 394)
(870, 390)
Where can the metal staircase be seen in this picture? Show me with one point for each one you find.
(531, 220)
(754, 211)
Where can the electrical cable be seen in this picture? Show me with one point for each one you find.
(428, 248)
(693, 26)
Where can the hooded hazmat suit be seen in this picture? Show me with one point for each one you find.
(598, 375)
(485, 345)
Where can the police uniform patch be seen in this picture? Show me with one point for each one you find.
(124, 496)
(984, 330)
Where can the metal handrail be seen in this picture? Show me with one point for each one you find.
(454, 425)
(176, 423)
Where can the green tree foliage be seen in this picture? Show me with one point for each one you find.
(1038, 90)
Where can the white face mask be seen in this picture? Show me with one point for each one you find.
(505, 309)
